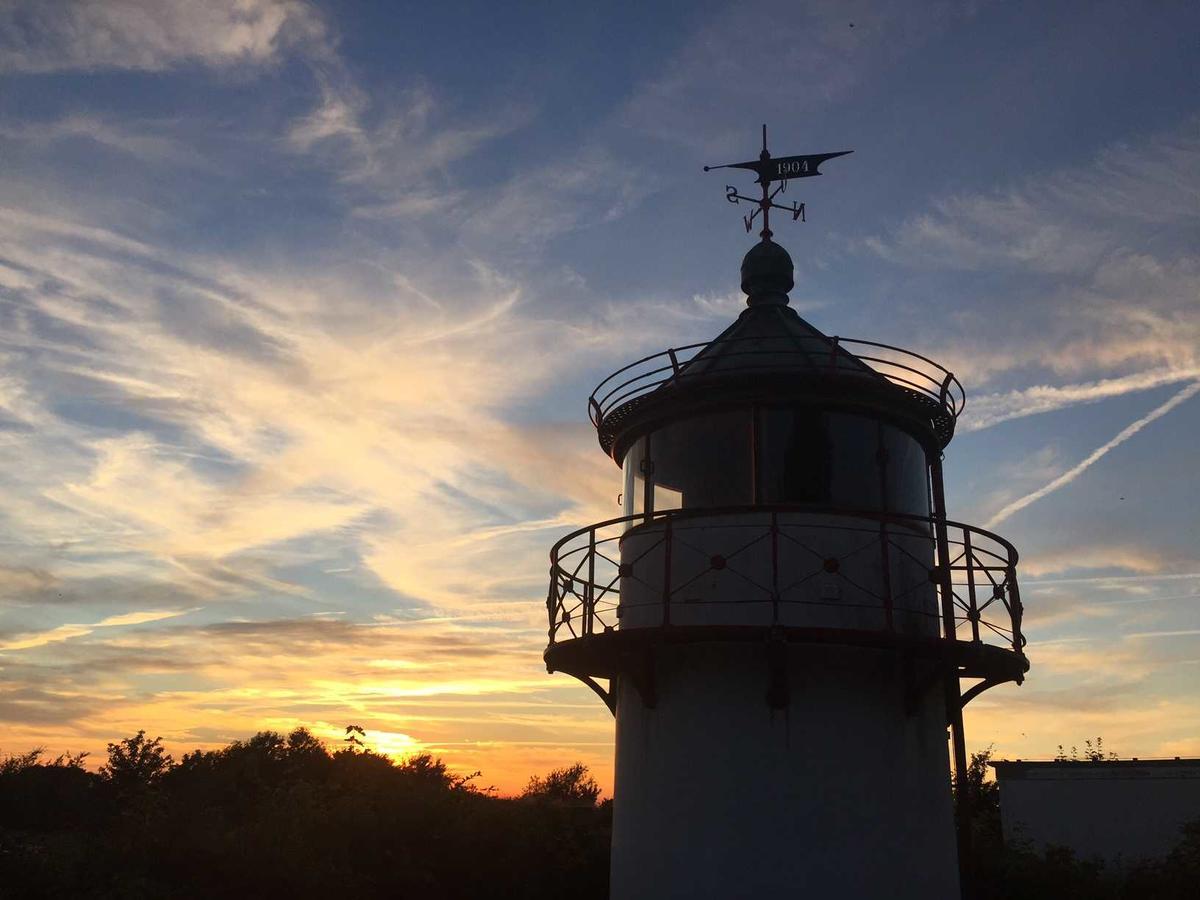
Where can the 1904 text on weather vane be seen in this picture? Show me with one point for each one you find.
(768, 169)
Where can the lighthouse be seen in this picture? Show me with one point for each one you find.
(784, 621)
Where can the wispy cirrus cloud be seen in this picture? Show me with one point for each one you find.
(1127, 557)
(318, 432)
(396, 145)
(69, 631)
(1080, 687)
(150, 36)
(554, 198)
(1094, 277)
(844, 45)
(287, 359)
(151, 142)
(1073, 220)
(466, 691)
(216, 432)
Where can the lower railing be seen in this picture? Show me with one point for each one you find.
(896, 573)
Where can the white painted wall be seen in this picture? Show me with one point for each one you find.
(1119, 811)
(740, 593)
(841, 795)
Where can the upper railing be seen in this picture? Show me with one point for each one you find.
(835, 356)
(969, 578)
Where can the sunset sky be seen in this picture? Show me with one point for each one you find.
(300, 305)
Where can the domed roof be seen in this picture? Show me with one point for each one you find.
(769, 335)
(771, 338)
(770, 354)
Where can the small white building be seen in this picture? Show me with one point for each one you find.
(1121, 811)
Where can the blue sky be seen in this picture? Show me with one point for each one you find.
(301, 304)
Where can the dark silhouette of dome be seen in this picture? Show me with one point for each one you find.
(767, 275)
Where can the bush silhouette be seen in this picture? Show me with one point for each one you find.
(135, 763)
(280, 815)
(573, 785)
(283, 815)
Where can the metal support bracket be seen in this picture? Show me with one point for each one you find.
(778, 692)
(976, 689)
(608, 696)
(916, 684)
(642, 675)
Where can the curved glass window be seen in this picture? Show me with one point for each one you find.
(634, 493)
(906, 472)
(795, 456)
(705, 461)
(777, 455)
(812, 456)
(840, 459)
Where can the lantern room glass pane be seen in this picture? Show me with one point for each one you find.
(666, 497)
(855, 471)
(634, 490)
(704, 461)
(833, 458)
(907, 474)
(814, 456)
(795, 456)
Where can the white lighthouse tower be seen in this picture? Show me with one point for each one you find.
(784, 613)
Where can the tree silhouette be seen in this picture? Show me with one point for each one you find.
(354, 737)
(573, 786)
(283, 815)
(136, 763)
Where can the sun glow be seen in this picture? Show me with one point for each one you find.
(396, 744)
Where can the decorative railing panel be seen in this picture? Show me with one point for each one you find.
(767, 563)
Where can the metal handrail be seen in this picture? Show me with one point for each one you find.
(980, 587)
(910, 371)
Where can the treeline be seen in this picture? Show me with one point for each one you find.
(281, 815)
(284, 816)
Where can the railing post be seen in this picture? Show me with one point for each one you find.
(589, 606)
(774, 568)
(945, 578)
(674, 361)
(833, 348)
(1015, 609)
(667, 571)
(973, 606)
(885, 561)
(952, 684)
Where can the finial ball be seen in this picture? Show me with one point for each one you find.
(767, 274)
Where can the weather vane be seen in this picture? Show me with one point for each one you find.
(781, 169)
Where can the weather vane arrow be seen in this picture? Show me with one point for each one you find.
(769, 169)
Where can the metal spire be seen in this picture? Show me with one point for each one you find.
(780, 169)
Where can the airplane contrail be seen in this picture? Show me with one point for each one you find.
(992, 409)
(1071, 474)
